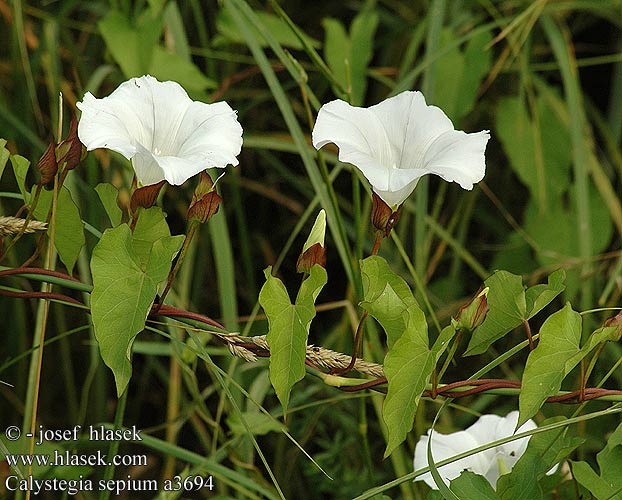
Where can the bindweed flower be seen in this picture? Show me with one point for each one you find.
(167, 135)
(399, 140)
(490, 463)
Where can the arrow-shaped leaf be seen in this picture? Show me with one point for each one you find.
(124, 288)
(408, 366)
(509, 304)
(288, 328)
(550, 361)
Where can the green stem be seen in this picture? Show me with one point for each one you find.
(180, 259)
(36, 361)
(450, 355)
(114, 445)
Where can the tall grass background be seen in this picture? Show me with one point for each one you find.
(544, 77)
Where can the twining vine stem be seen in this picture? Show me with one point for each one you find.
(322, 362)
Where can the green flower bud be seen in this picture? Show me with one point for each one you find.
(473, 314)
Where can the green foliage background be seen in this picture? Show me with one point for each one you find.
(544, 77)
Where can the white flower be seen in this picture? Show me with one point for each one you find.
(487, 429)
(399, 140)
(166, 134)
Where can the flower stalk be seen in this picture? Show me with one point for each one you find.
(192, 228)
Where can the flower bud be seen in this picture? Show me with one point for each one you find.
(383, 217)
(313, 251)
(146, 196)
(615, 321)
(70, 150)
(473, 314)
(205, 200)
(47, 165)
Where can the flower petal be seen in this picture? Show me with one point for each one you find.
(147, 166)
(459, 157)
(210, 136)
(402, 183)
(484, 429)
(103, 126)
(423, 138)
(361, 139)
(446, 446)
(411, 126)
(490, 428)
(514, 449)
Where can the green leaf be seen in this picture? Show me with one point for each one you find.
(279, 29)
(408, 366)
(543, 452)
(68, 229)
(20, 169)
(470, 485)
(538, 297)
(167, 65)
(131, 46)
(553, 358)
(539, 151)
(362, 33)
(509, 304)
(557, 234)
(507, 308)
(460, 72)
(175, 29)
(348, 56)
(607, 485)
(124, 288)
(386, 296)
(336, 47)
(288, 328)
(150, 227)
(596, 485)
(4, 155)
(108, 195)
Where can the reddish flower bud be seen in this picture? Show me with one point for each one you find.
(70, 150)
(47, 165)
(205, 200)
(382, 216)
(315, 254)
(473, 314)
(146, 196)
(615, 322)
